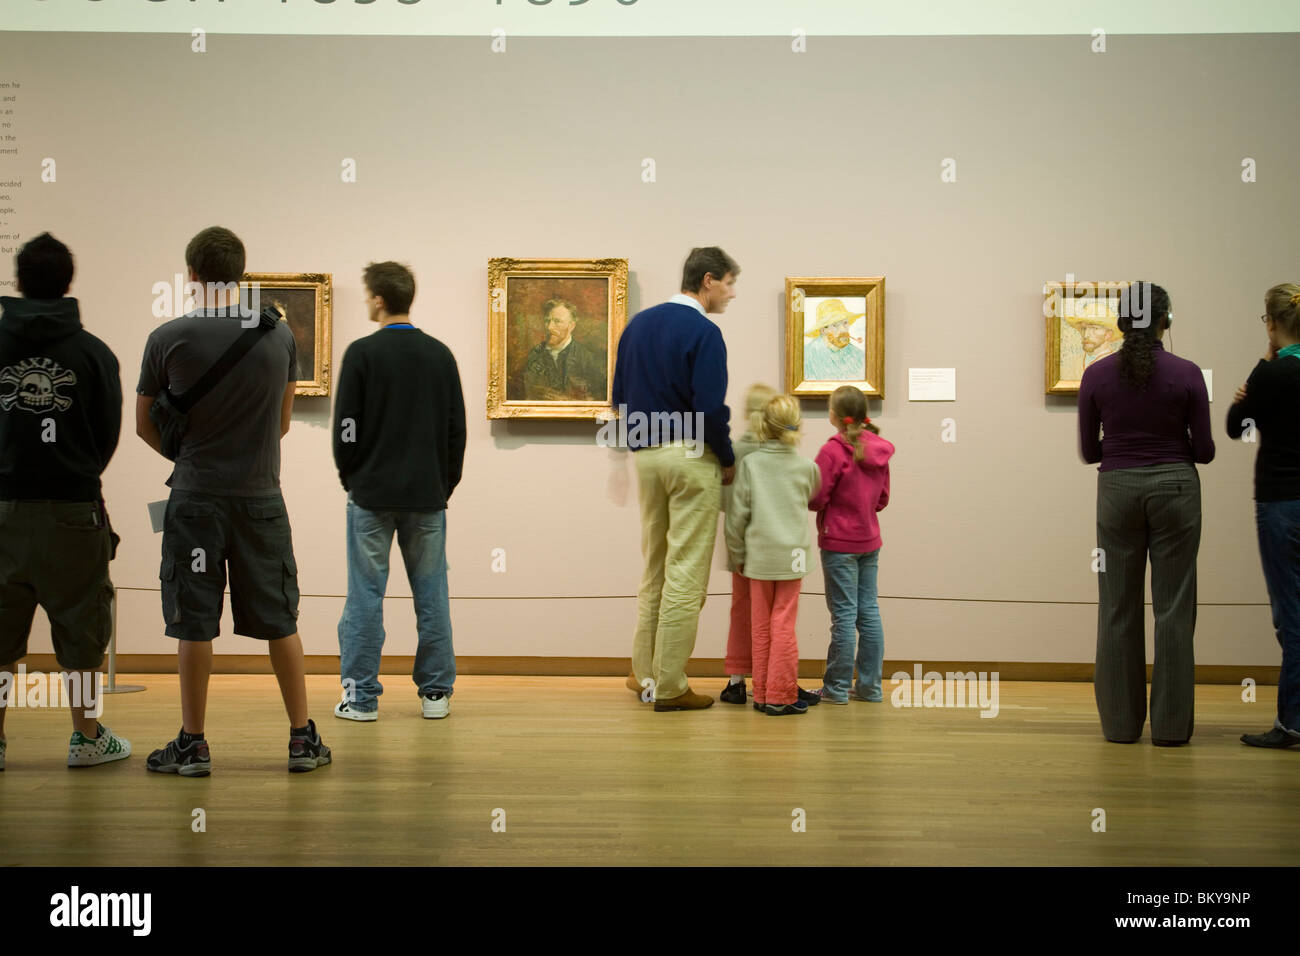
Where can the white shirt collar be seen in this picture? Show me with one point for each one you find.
(681, 298)
(561, 347)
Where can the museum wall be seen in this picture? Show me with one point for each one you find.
(1119, 165)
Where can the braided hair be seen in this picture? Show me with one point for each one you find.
(1148, 304)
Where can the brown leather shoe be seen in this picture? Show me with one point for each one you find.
(633, 686)
(687, 701)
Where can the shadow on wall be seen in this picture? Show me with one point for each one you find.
(312, 410)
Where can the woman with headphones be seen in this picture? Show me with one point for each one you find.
(1155, 413)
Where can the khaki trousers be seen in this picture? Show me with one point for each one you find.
(680, 500)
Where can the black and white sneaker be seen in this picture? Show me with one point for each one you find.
(191, 761)
(345, 710)
(307, 753)
(733, 693)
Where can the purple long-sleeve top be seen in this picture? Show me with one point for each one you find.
(1167, 422)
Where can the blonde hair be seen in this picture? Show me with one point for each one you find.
(1282, 302)
(756, 400)
(779, 419)
(849, 402)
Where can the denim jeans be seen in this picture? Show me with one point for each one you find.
(851, 599)
(422, 538)
(1278, 524)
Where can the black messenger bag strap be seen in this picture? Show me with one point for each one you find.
(238, 349)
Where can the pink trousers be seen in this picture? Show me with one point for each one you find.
(773, 607)
(740, 659)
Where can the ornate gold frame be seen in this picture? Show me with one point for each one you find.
(1052, 295)
(500, 271)
(872, 288)
(323, 285)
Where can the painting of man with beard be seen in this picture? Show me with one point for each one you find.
(831, 353)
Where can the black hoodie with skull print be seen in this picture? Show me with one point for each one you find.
(60, 402)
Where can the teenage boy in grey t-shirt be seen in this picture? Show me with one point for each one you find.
(225, 509)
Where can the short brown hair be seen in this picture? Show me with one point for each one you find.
(392, 282)
(706, 260)
(216, 255)
(562, 304)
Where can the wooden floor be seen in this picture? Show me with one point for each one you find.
(587, 775)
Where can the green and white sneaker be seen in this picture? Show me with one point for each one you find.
(107, 747)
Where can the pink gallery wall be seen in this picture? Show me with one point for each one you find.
(1114, 166)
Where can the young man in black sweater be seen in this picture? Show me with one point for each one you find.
(60, 415)
(399, 444)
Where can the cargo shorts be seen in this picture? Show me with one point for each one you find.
(56, 554)
(207, 537)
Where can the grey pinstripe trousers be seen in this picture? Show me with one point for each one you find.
(1153, 510)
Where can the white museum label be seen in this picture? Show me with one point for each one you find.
(932, 385)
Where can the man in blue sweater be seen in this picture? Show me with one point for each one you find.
(672, 372)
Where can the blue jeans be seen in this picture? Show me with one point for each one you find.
(1278, 524)
(851, 599)
(422, 537)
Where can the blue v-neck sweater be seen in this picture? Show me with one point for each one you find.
(672, 359)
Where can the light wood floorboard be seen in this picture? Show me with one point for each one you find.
(587, 775)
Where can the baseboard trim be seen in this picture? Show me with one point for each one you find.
(710, 667)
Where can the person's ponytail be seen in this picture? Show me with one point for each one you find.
(1149, 304)
(850, 406)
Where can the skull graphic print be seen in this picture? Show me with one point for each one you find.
(33, 384)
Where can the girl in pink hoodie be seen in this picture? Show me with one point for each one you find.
(854, 468)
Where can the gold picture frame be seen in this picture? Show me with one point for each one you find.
(1068, 350)
(307, 299)
(813, 353)
(558, 365)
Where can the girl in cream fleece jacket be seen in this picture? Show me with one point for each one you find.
(768, 539)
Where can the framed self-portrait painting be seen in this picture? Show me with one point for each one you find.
(553, 328)
(306, 299)
(834, 335)
(1082, 327)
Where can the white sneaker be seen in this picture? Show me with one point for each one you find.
(435, 709)
(107, 747)
(341, 709)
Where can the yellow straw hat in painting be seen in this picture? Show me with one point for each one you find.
(830, 311)
(1094, 312)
